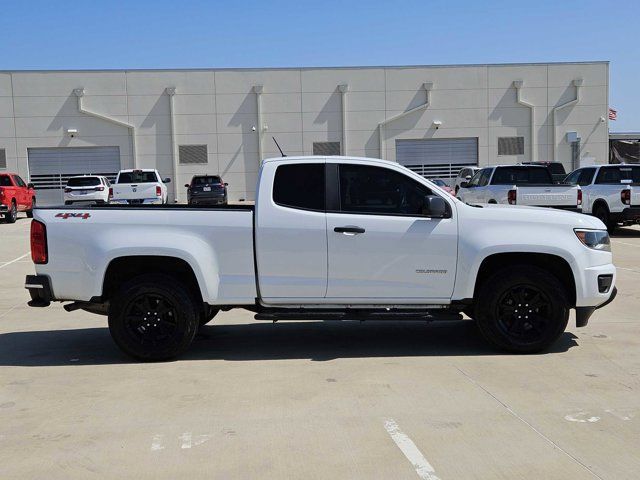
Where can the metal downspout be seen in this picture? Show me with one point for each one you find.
(534, 141)
(576, 83)
(79, 92)
(428, 86)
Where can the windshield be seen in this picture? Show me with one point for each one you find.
(137, 177)
(521, 175)
(83, 182)
(557, 169)
(205, 180)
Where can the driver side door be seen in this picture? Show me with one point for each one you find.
(381, 245)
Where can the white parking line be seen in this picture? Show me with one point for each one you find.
(14, 260)
(410, 450)
(624, 243)
(628, 269)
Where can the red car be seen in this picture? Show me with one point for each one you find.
(15, 196)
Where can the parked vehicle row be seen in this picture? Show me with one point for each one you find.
(529, 185)
(15, 196)
(328, 238)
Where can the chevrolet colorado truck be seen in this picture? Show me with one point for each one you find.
(328, 238)
(528, 185)
(610, 192)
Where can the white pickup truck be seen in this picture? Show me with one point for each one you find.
(528, 185)
(139, 186)
(610, 192)
(329, 238)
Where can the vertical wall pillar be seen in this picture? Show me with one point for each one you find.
(343, 92)
(171, 91)
(534, 141)
(258, 89)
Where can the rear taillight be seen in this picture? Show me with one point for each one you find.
(67, 190)
(110, 192)
(579, 198)
(39, 253)
(158, 191)
(625, 196)
(512, 196)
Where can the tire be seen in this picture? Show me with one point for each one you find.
(507, 294)
(165, 332)
(33, 205)
(602, 213)
(12, 214)
(208, 314)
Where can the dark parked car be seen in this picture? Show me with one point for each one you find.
(555, 168)
(206, 190)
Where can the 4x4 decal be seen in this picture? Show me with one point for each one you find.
(64, 216)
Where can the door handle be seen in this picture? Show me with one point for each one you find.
(349, 230)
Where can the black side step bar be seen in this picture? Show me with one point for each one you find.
(417, 315)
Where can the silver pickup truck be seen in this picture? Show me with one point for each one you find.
(529, 185)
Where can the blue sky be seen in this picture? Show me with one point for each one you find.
(249, 33)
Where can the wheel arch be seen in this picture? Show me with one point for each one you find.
(124, 268)
(551, 263)
(599, 202)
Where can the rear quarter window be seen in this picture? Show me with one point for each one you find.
(300, 186)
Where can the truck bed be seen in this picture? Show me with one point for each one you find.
(217, 242)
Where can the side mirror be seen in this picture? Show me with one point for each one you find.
(166, 180)
(468, 177)
(31, 185)
(464, 184)
(226, 184)
(435, 206)
(187, 185)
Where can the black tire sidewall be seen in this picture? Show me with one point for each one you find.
(12, 215)
(496, 285)
(171, 289)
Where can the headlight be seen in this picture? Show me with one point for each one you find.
(596, 239)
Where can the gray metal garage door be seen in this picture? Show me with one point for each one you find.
(437, 158)
(51, 168)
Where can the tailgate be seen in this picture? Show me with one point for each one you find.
(548, 196)
(134, 191)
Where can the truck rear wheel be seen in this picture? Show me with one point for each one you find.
(602, 213)
(522, 309)
(153, 317)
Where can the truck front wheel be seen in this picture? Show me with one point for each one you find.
(522, 309)
(153, 317)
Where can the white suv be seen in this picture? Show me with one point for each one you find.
(464, 175)
(87, 188)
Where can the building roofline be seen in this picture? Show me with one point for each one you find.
(254, 69)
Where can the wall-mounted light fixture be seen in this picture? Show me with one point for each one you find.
(72, 132)
(437, 124)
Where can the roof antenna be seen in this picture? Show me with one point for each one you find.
(282, 154)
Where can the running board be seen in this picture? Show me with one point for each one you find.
(288, 314)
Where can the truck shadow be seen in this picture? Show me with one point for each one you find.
(626, 232)
(316, 341)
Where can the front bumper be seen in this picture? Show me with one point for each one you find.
(39, 287)
(584, 313)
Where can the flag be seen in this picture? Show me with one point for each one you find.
(613, 114)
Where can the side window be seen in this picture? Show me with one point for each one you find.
(300, 186)
(475, 180)
(463, 173)
(19, 181)
(572, 178)
(609, 175)
(484, 177)
(376, 190)
(586, 177)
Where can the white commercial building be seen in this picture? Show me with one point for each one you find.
(434, 119)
